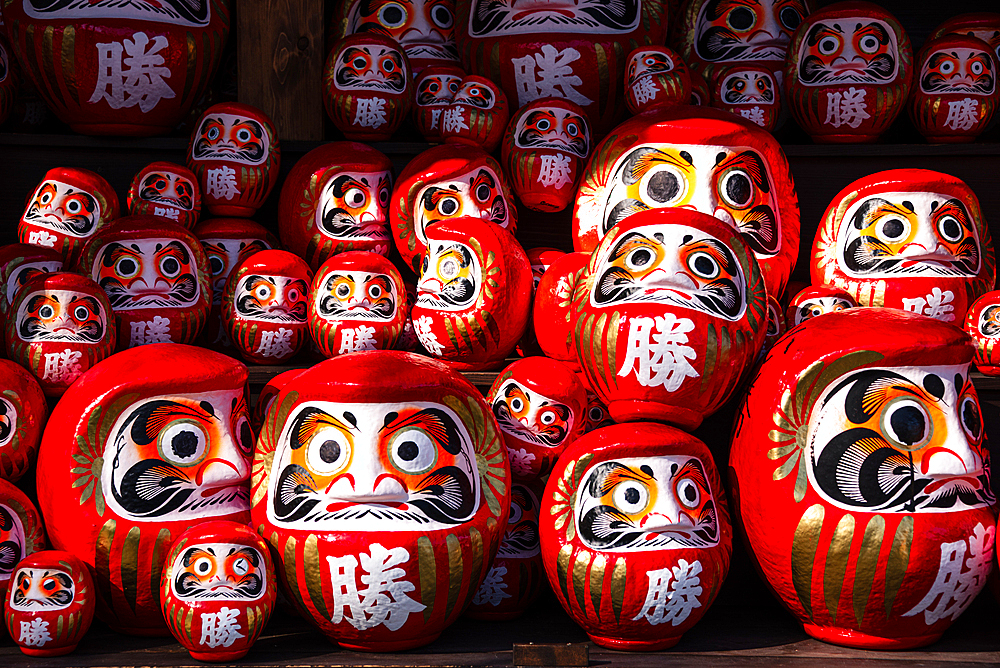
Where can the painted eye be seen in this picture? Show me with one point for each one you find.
(442, 17)
(816, 310)
(74, 206)
(50, 584)
(869, 44)
(517, 404)
(950, 229)
(45, 198)
(359, 63)
(663, 186)
(453, 87)
(543, 124)
(630, 497)
(906, 424)
(892, 230)
(572, 129)
(183, 443)
(972, 419)
(828, 45)
(947, 67)
(483, 192)
(170, 267)
(688, 493)
(81, 312)
(433, 87)
(736, 189)
(790, 18)
(547, 418)
(449, 268)
(424, 264)
(203, 566)
(243, 135)
(515, 515)
(595, 414)
(244, 434)
(46, 312)
(213, 133)
(704, 266)
(976, 67)
(393, 15)
(474, 92)
(343, 290)
(293, 295)
(126, 267)
(241, 566)
(160, 184)
(383, 197)
(741, 18)
(740, 85)
(449, 206)
(375, 292)
(329, 452)
(640, 259)
(262, 292)
(355, 197)
(412, 451)
(216, 264)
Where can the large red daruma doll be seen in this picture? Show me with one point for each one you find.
(142, 446)
(635, 534)
(575, 50)
(669, 312)
(119, 68)
(862, 479)
(701, 159)
(381, 481)
(336, 199)
(474, 294)
(848, 72)
(909, 239)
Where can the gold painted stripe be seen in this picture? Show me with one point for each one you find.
(59, 627)
(602, 77)
(864, 571)
(580, 578)
(898, 561)
(597, 583)
(428, 575)
(476, 574)
(836, 563)
(804, 545)
(130, 566)
(598, 345)
(102, 561)
(160, 547)
(712, 349)
(291, 573)
(562, 569)
(618, 582)
(455, 574)
(313, 574)
(68, 58)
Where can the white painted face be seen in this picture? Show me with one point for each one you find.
(742, 30)
(520, 539)
(61, 315)
(515, 17)
(223, 256)
(902, 234)
(373, 467)
(370, 67)
(748, 87)
(475, 94)
(437, 90)
(900, 439)
(168, 189)
(179, 457)
(178, 12)
(38, 589)
(671, 264)
(21, 275)
(451, 277)
(958, 70)
(554, 128)
(354, 206)
(476, 193)
(147, 273)
(219, 572)
(357, 295)
(530, 416)
(647, 63)
(231, 137)
(424, 28)
(11, 541)
(817, 306)
(63, 208)
(854, 50)
(267, 298)
(989, 322)
(637, 504)
(8, 421)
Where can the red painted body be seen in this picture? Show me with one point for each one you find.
(541, 259)
(22, 532)
(435, 87)
(168, 190)
(657, 78)
(22, 421)
(982, 323)
(549, 314)
(477, 115)
(751, 92)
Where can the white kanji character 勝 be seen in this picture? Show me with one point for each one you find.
(276, 344)
(848, 108)
(555, 77)
(554, 170)
(34, 633)
(383, 600)
(962, 114)
(42, 238)
(520, 461)
(356, 339)
(453, 120)
(661, 355)
(62, 367)
(672, 594)
(370, 112)
(492, 590)
(221, 182)
(156, 330)
(428, 339)
(220, 629)
(644, 90)
(958, 579)
(137, 79)
(937, 305)
(754, 115)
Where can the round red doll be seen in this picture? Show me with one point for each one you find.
(474, 294)
(635, 534)
(751, 92)
(539, 404)
(264, 306)
(156, 276)
(51, 603)
(443, 183)
(235, 154)
(18, 263)
(477, 115)
(60, 325)
(367, 86)
(21, 531)
(217, 590)
(67, 208)
(849, 72)
(983, 324)
(553, 296)
(815, 301)
(984, 25)
(381, 472)
(702, 159)
(862, 479)
(142, 446)
(435, 89)
(119, 68)
(544, 152)
(909, 239)
(540, 259)
(336, 199)
(357, 302)
(656, 78)
(669, 312)
(22, 417)
(167, 190)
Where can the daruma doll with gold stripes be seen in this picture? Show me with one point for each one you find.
(217, 590)
(815, 301)
(119, 68)
(909, 239)
(142, 446)
(669, 312)
(477, 115)
(656, 77)
(435, 89)
(635, 534)
(381, 480)
(168, 190)
(982, 323)
(861, 475)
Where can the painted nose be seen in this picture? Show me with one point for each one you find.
(369, 487)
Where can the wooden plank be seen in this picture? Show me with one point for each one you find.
(551, 654)
(281, 54)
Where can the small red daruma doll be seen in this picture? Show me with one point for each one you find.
(849, 72)
(51, 603)
(67, 208)
(656, 77)
(909, 239)
(544, 152)
(336, 199)
(18, 263)
(446, 182)
(22, 416)
(435, 89)
(381, 471)
(984, 25)
(60, 325)
(217, 590)
(234, 152)
(815, 301)
(862, 478)
(751, 92)
(540, 259)
(357, 302)
(639, 513)
(477, 115)
(553, 296)
(367, 86)
(156, 276)
(21, 531)
(539, 405)
(669, 312)
(145, 444)
(956, 92)
(474, 294)
(264, 306)
(983, 324)
(167, 190)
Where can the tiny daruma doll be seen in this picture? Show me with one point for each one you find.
(983, 324)
(22, 417)
(167, 190)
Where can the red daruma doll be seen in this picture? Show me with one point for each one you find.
(862, 478)
(635, 513)
(22, 416)
(983, 324)
(21, 531)
(477, 114)
(167, 190)
(656, 77)
(435, 89)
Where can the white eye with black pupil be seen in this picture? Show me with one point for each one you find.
(73, 206)
(906, 424)
(412, 451)
(704, 266)
(203, 566)
(183, 443)
(892, 230)
(950, 229)
(972, 420)
(81, 313)
(374, 292)
(736, 189)
(640, 259)
(449, 269)
(243, 135)
(328, 452)
(170, 267)
(947, 67)
(241, 566)
(976, 68)
(343, 290)
(483, 193)
(354, 197)
(828, 45)
(869, 44)
(688, 493)
(46, 312)
(547, 418)
(516, 405)
(630, 496)
(448, 206)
